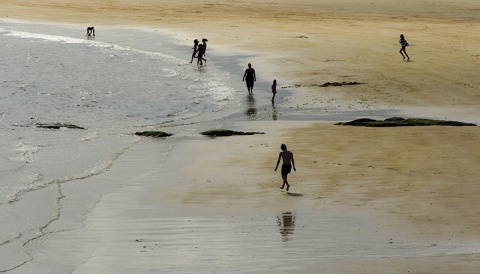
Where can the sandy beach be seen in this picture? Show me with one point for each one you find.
(363, 200)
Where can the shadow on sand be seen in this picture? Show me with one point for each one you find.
(294, 194)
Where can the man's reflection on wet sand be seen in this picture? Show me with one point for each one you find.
(286, 223)
(252, 108)
(274, 112)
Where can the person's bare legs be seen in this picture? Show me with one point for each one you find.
(403, 50)
(285, 182)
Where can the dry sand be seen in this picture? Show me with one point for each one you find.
(415, 188)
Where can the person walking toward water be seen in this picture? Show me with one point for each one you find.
(404, 44)
(288, 163)
(195, 49)
(274, 90)
(201, 52)
(90, 31)
(204, 42)
(250, 77)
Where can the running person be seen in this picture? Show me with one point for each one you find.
(404, 44)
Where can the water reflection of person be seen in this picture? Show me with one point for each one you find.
(252, 109)
(274, 112)
(286, 223)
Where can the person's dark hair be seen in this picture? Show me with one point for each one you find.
(283, 147)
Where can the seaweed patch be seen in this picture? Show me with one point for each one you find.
(153, 133)
(58, 126)
(327, 84)
(402, 122)
(227, 132)
(337, 84)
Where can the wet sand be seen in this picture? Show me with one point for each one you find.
(363, 200)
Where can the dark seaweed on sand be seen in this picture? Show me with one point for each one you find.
(402, 122)
(153, 133)
(227, 132)
(58, 126)
(327, 84)
(338, 84)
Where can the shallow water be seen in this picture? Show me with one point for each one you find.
(121, 82)
(105, 86)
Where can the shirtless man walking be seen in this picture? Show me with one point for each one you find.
(288, 162)
(249, 75)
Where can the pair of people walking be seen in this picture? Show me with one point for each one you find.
(199, 51)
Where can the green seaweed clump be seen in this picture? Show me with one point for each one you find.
(401, 122)
(58, 126)
(227, 132)
(153, 133)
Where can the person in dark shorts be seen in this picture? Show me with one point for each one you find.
(288, 163)
(250, 78)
